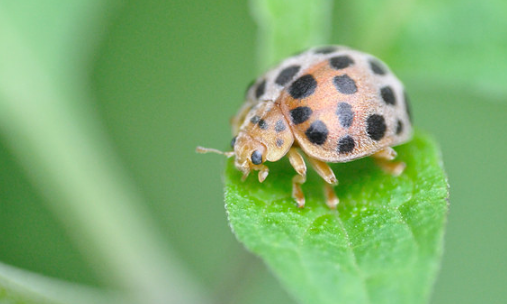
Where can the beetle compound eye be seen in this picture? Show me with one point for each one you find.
(233, 141)
(256, 157)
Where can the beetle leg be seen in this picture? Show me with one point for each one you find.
(263, 173)
(384, 159)
(324, 171)
(331, 198)
(327, 174)
(297, 161)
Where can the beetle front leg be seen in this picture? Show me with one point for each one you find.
(297, 161)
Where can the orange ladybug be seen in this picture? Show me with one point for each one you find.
(333, 103)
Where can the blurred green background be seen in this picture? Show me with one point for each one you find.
(166, 76)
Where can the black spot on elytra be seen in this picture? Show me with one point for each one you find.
(317, 132)
(303, 87)
(345, 114)
(263, 124)
(388, 95)
(233, 141)
(346, 144)
(261, 88)
(287, 74)
(376, 126)
(280, 126)
(325, 50)
(344, 84)
(399, 127)
(407, 105)
(300, 114)
(279, 142)
(377, 67)
(256, 157)
(255, 119)
(340, 62)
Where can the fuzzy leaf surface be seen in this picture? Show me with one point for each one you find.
(382, 245)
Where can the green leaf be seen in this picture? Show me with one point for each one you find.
(382, 245)
(23, 287)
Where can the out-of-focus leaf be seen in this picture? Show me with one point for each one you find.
(453, 43)
(382, 245)
(23, 287)
(288, 26)
(47, 119)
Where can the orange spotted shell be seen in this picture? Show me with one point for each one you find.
(335, 103)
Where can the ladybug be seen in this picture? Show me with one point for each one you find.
(332, 104)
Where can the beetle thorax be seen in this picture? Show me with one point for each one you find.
(265, 125)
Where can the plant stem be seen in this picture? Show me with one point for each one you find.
(49, 124)
(289, 26)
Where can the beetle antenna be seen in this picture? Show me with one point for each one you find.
(203, 150)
